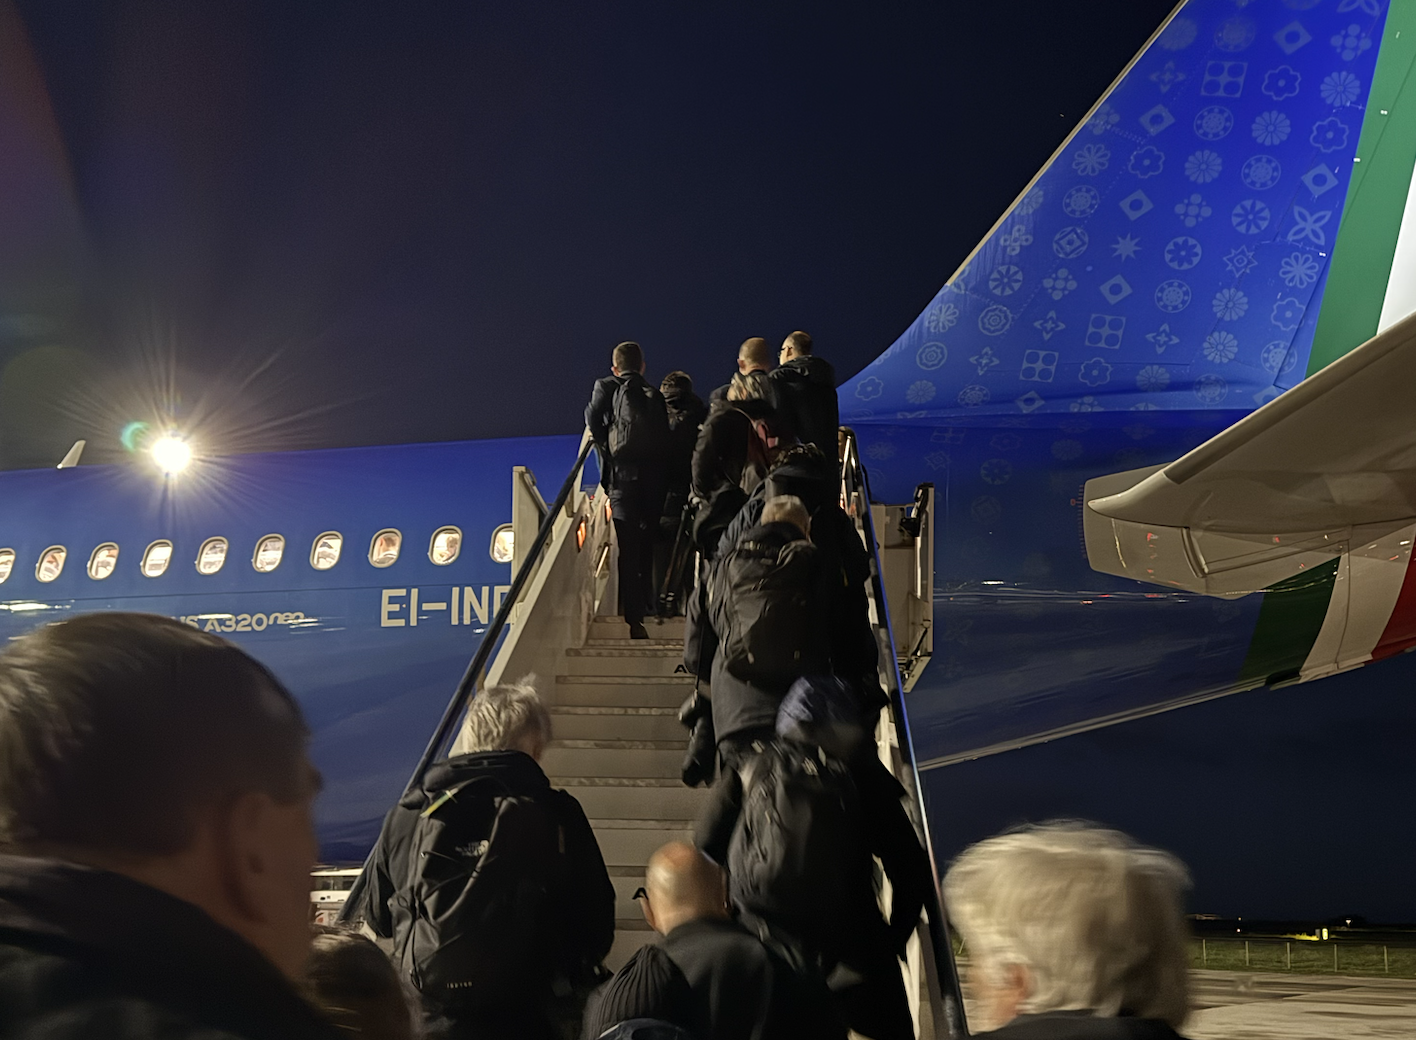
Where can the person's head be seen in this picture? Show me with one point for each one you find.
(787, 509)
(796, 345)
(628, 357)
(681, 885)
(356, 986)
(1068, 916)
(748, 386)
(509, 717)
(676, 383)
(139, 745)
(754, 355)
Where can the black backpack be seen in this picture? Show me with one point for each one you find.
(639, 426)
(471, 917)
(798, 830)
(763, 607)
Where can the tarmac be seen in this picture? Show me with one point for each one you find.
(1242, 1005)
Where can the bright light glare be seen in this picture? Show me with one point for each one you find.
(171, 453)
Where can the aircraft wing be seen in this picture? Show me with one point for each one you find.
(1234, 215)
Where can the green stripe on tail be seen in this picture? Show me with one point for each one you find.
(1289, 622)
(1376, 198)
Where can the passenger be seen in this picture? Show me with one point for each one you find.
(673, 550)
(800, 470)
(354, 984)
(730, 455)
(710, 975)
(1073, 932)
(630, 426)
(798, 826)
(490, 882)
(753, 356)
(767, 600)
(805, 387)
(155, 811)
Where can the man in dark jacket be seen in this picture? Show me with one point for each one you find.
(805, 386)
(801, 471)
(856, 947)
(155, 810)
(568, 915)
(710, 975)
(630, 427)
(687, 413)
(753, 356)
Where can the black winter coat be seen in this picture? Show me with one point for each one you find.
(687, 413)
(581, 918)
(806, 394)
(636, 491)
(90, 955)
(854, 932)
(738, 989)
(1082, 1025)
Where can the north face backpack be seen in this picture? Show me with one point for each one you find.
(798, 829)
(472, 913)
(761, 606)
(639, 430)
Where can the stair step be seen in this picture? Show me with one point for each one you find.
(610, 643)
(607, 726)
(619, 743)
(624, 662)
(627, 910)
(615, 628)
(626, 680)
(632, 848)
(635, 648)
(613, 762)
(660, 693)
(639, 803)
(613, 781)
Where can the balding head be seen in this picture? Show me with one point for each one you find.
(754, 356)
(682, 885)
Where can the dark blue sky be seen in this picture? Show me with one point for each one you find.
(315, 224)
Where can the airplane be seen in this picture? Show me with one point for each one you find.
(1232, 217)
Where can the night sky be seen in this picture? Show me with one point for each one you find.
(316, 224)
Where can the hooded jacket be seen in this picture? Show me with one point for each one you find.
(86, 953)
(806, 393)
(819, 715)
(687, 413)
(581, 918)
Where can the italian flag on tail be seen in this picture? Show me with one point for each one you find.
(1361, 606)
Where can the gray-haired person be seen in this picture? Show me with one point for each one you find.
(1074, 932)
(155, 820)
(490, 882)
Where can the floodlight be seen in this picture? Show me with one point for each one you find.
(171, 453)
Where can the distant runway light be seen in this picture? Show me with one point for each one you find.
(171, 453)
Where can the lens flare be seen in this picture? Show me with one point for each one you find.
(171, 453)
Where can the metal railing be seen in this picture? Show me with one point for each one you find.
(467, 687)
(941, 976)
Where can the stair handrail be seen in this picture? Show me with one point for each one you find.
(946, 996)
(467, 686)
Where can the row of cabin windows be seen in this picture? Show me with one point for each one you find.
(384, 547)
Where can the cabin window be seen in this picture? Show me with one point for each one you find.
(383, 549)
(445, 546)
(103, 560)
(156, 557)
(324, 554)
(503, 544)
(212, 556)
(51, 563)
(269, 550)
(7, 563)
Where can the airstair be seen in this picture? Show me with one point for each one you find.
(617, 744)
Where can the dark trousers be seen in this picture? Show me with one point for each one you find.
(636, 567)
(700, 642)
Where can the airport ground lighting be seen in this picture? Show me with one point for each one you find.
(171, 453)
